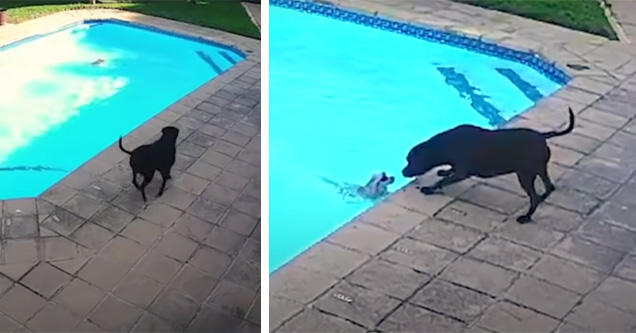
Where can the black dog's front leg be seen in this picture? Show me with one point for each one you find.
(453, 178)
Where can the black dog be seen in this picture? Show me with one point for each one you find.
(474, 151)
(159, 155)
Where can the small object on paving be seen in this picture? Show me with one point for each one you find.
(343, 298)
(577, 67)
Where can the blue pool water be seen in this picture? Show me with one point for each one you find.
(348, 100)
(57, 110)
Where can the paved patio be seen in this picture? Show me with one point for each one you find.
(459, 262)
(89, 256)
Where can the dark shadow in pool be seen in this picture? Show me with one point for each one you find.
(526, 88)
(207, 59)
(32, 168)
(478, 101)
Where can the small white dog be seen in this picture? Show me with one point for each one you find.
(376, 188)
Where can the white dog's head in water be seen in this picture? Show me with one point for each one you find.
(377, 187)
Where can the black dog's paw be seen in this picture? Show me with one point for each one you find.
(444, 173)
(427, 190)
(524, 219)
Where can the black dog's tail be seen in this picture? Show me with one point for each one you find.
(121, 146)
(565, 131)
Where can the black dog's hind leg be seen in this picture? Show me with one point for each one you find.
(547, 183)
(143, 185)
(453, 178)
(165, 175)
(526, 179)
(134, 181)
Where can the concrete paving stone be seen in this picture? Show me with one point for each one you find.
(446, 235)
(226, 148)
(176, 246)
(63, 222)
(564, 156)
(92, 236)
(158, 267)
(321, 257)
(587, 253)
(572, 200)
(190, 183)
(20, 303)
(363, 237)
(603, 118)
(86, 326)
(193, 227)
(587, 183)
(191, 149)
(79, 297)
(567, 274)
(507, 317)
(623, 139)
(251, 252)
(238, 222)
(112, 218)
(130, 200)
(471, 216)
(617, 215)
(177, 198)
(20, 226)
(244, 169)
(142, 232)
(411, 198)
(220, 194)
(212, 261)
(616, 104)
(580, 143)
(20, 251)
(201, 139)
(410, 318)
(419, 256)
(160, 214)
(58, 194)
(504, 253)
(182, 163)
(216, 158)
(8, 325)
(244, 273)
(219, 120)
(175, 307)
(232, 181)
(598, 317)
(607, 234)
(115, 315)
(616, 292)
(392, 217)
(138, 289)
(123, 251)
(102, 273)
(626, 269)
(83, 205)
(45, 279)
(232, 298)
(248, 205)
(280, 310)
(535, 235)
(207, 210)
(479, 275)
(606, 169)
(73, 265)
(254, 315)
(542, 296)
(396, 281)
(362, 306)
(493, 198)
(593, 130)
(298, 284)
(452, 300)
(210, 319)
(151, 323)
(53, 318)
(616, 154)
(15, 272)
(625, 196)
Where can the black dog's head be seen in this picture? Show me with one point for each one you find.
(170, 132)
(419, 161)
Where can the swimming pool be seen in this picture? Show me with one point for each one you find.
(60, 106)
(348, 100)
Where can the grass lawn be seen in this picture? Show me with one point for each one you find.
(583, 15)
(226, 15)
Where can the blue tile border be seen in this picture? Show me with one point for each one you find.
(530, 59)
(130, 24)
